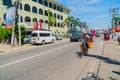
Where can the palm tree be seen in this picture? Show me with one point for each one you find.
(68, 21)
(51, 19)
(76, 22)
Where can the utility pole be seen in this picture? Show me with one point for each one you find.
(114, 13)
(19, 19)
(19, 24)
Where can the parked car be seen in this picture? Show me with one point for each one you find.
(27, 39)
(58, 37)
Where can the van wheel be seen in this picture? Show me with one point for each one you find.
(43, 42)
(53, 40)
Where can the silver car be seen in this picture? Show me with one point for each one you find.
(27, 39)
(58, 37)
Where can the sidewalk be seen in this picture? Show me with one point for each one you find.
(110, 62)
(4, 48)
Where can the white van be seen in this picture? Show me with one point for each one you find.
(42, 37)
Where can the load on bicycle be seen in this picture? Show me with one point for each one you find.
(86, 43)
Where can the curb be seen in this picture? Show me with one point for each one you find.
(23, 46)
(2, 51)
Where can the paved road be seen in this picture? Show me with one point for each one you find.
(58, 61)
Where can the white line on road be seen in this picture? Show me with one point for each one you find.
(27, 58)
(93, 65)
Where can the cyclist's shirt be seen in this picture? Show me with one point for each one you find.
(86, 38)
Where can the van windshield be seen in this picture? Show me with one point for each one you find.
(34, 35)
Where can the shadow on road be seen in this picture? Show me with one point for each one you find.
(79, 54)
(105, 59)
(116, 72)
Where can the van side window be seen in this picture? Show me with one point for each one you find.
(44, 34)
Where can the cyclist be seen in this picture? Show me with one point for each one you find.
(85, 40)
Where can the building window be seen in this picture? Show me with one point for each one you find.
(61, 17)
(5, 16)
(51, 14)
(58, 24)
(27, 19)
(61, 10)
(34, 9)
(54, 7)
(46, 13)
(41, 20)
(27, 7)
(40, 1)
(46, 3)
(58, 16)
(7, 2)
(34, 0)
(41, 11)
(58, 8)
(55, 24)
(46, 21)
(55, 15)
(50, 5)
(34, 20)
(21, 19)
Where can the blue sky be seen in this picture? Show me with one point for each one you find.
(94, 12)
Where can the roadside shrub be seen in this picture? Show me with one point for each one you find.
(64, 35)
(2, 33)
(23, 32)
(5, 34)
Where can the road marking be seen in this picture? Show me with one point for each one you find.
(93, 65)
(27, 58)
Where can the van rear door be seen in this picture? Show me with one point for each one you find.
(34, 38)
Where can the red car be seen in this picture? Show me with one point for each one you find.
(106, 36)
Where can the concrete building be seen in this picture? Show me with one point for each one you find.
(36, 10)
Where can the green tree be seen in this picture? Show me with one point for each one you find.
(5, 33)
(23, 32)
(8, 33)
(117, 21)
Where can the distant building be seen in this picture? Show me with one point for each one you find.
(36, 10)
